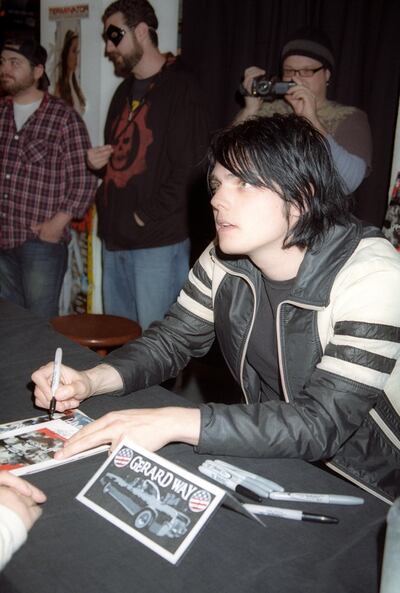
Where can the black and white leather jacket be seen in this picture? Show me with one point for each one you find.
(339, 357)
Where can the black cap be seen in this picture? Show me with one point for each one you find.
(32, 51)
(311, 43)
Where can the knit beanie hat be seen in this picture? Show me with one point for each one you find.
(311, 43)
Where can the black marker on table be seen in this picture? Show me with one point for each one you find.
(243, 491)
(235, 485)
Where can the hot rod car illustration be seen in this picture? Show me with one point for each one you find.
(142, 499)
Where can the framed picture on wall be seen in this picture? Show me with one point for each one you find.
(65, 71)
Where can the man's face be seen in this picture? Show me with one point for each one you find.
(249, 220)
(17, 75)
(316, 82)
(128, 52)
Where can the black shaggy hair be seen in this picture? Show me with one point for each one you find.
(287, 155)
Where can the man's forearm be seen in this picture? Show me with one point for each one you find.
(60, 220)
(351, 167)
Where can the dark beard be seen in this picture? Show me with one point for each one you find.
(123, 65)
(13, 87)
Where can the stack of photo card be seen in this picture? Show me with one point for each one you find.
(28, 446)
(153, 500)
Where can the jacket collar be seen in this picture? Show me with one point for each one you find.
(323, 262)
(320, 265)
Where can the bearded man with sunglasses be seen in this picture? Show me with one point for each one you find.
(156, 132)
(307, 60)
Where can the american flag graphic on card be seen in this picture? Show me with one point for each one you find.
(123, 457)
(157, 502)
(199, 501)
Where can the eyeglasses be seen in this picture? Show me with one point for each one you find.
(114, 34)
(304, 72)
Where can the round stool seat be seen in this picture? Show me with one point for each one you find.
(96, 331)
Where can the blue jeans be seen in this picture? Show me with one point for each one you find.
(31, 275)
(142, 284)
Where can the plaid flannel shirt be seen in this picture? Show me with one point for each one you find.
(42, 169)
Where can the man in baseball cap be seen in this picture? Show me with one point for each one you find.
(36, 56)
(44, 181)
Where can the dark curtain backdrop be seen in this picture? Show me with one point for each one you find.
(220, 38)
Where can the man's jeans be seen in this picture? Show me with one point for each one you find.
(31, 275)
(142, 284)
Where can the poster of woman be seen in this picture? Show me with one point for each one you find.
(68, 72)
(67, 78)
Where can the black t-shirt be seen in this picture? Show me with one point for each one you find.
(140, 87)
(262, 353)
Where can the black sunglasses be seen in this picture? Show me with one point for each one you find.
(114, 34)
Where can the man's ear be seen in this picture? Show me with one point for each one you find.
(327, 75)
(38, 72)
(141, 32)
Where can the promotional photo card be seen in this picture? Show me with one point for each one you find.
(28, 446)
(155, 501)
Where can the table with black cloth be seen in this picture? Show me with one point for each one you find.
(71, 549)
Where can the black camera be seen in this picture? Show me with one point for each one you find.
(261, 86)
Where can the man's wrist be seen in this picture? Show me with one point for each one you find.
(183, 424)
(252, 106)
(103, 379)
(61, 219)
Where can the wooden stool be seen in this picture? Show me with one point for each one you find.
(98, 332)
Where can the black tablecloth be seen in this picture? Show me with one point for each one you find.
(72, 549)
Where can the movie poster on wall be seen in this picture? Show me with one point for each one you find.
(65, 67)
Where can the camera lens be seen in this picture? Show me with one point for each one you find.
(261, 86)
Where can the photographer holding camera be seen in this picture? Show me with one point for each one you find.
(307, 61)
